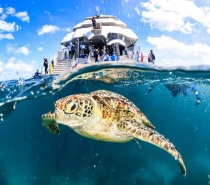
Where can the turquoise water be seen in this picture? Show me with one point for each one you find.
(31, 155)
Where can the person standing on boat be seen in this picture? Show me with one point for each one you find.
(93, 22)
(45, 65)
(96, 55)
(51, 69)
(52, 62)
(101, 55)
(69, 48)
(142, 57)
(92, 52)
(73, 49)
(137, 56)
(151, 57)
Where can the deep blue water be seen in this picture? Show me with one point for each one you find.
(31, 155)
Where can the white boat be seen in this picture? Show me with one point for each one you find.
(109, 34)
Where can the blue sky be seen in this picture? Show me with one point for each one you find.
(177, 30)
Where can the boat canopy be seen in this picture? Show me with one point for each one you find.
(109, 30)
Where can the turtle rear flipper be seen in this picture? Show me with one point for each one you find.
(151, 136)
(48, 120)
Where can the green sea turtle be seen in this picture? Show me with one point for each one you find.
(106, 116)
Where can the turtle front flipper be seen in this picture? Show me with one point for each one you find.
(48, 120)
(151, 136)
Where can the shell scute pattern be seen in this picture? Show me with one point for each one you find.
(114, 100)
(115, 107)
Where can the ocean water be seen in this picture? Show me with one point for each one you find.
(31, 155)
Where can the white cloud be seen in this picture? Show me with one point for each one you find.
(22, 50)
(3, 16)
(174, 52)
(67, 29)
(23, 16)
(1, 66)
(171, 15)
(10, 48)
(17, 27)
(5, 26)
(40, 48)
(14, 69)
(10, 11)
(48, 29)
(19, 65)
(1, 10)
(6, 36)
(11, 27)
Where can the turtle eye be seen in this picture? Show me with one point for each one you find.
(71, 107)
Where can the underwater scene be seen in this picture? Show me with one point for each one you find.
(176, 101)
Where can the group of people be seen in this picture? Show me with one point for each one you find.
(45, 65)
(139, 56)
(100, 55)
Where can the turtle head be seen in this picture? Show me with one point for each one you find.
(74, 110)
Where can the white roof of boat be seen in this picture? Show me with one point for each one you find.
(113, 25)
(86, 32)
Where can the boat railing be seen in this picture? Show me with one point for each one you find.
(60, 55)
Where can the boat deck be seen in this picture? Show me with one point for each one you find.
(65, 65)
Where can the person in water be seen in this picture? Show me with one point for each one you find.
(183, 89)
